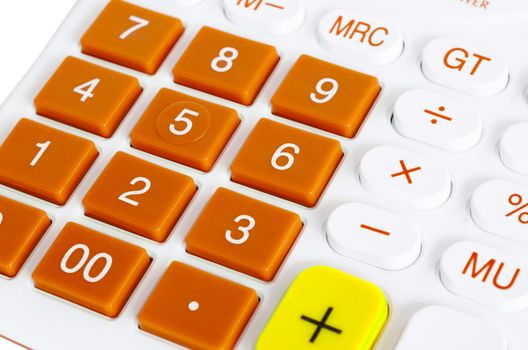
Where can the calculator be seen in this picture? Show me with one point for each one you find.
(269, 175)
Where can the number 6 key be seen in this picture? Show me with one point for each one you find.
(286, 162)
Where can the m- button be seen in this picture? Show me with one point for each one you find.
(277, 17)
(326, 309)
(405, 177)
(457, 65)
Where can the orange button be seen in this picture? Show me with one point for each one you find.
(44, 161)
(226, 65)
(286, 162)
(185, 129)
(244, 234)
(21, 228)
(132, 36)
(326, 96)
(87, 96)
(93, 270)
(139, 196)
(196, 309)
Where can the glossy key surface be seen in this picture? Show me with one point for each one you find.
(91, 269)
(87, 96)
(185, 129)
(139, 196)
(326, 96)
(226, 65)
(43, 161)
(196, 309)
(326, 309)
(244, 234)
(132, 36)
(287, 162)
(21, 228)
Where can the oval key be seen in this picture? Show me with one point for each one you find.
(437, 120)
(485, 275)
(405, 177)
(374, 236)
(367, 38)
(277, 17)
(501, 207)
(513, 147)
(458, 65)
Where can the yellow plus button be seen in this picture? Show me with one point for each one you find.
(326, 309)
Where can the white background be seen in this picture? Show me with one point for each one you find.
(25, 28)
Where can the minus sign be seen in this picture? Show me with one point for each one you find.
(274, 5)
(377, 230)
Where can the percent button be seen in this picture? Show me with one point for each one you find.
(501, 207)
(373, 236)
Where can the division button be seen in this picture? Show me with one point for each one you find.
(437, 120)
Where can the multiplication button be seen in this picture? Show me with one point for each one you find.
(405, 177)
(437, 120)
(326, 309)
(373, 236)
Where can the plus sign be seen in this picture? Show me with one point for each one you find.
(321, 324)
(406, 172)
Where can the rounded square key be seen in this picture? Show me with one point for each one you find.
(132, 36)
(326, 309)
(184, 129)
(87, 96)
(21, 228)
(226, 65)
(139, 196)
(326, 96)
(286, 162)
(43, 161)
(244, 234)
(93, 270)
(196, 309)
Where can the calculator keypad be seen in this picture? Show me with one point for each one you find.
(87, 96)
(132, 36)
(21, 228)
(44, 162)
(139, 196)
(243, 234)
(326, 96)
(196, 309)
(93, 270)
(226, 65)
(185, 129)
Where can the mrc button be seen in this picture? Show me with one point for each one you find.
(372, 40)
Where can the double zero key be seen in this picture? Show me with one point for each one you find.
(286, 162)
(91, 269)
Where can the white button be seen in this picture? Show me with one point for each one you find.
(437, 120)
(501, 207)
(442, 328)
(277, 17)
(485, 275)
(405, 177)
(514, 146)
(373, 236)
(460, 66)
(364, 37)
(184, 3)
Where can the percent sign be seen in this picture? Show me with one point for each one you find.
(517, 201)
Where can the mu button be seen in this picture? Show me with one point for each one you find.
(326, 309)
